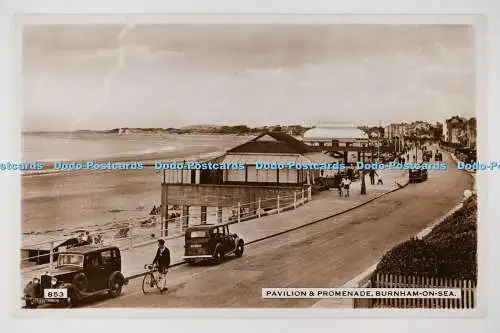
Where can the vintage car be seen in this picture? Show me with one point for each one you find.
(417, 175)
(426, 156)
(82, 271)
(438, 157)
(211, 242)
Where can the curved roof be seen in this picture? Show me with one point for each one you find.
(329, 132)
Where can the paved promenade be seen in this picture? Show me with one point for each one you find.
(323, 205)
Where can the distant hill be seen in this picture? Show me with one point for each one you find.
(195, 129)
(201, 127)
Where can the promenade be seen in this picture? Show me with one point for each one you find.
(323, 205)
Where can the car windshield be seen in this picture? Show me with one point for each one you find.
(198, 234)
(70, 259)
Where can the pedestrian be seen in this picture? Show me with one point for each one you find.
(372, 173)
(162, 261)
(346, 184)
(90, 238)
(350, 173)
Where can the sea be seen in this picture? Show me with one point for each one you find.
(86, 146)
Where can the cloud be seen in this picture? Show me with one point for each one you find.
(180, 75)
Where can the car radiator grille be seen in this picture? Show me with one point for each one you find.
(45, 281)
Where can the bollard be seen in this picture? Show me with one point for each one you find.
(239, 212)
(278, 203)
(258, 208)
(51, 254)
(294, 200)
(309, 194)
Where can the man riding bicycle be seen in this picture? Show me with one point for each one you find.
(162, 260)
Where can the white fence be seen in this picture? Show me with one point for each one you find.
(144, 231)
(467, 300)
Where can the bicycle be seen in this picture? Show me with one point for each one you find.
(150, 282)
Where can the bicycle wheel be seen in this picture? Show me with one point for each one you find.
(149, 283)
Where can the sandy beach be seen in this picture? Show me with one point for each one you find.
(53, 204)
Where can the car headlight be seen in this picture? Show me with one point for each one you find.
(36, 280)
(53, 281)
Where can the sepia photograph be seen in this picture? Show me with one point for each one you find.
(237, 165)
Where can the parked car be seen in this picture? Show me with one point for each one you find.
(427, 155)
(83, 272)
(211, 242)
(438, 157)
(417, 175)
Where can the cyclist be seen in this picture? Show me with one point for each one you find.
(162, 260)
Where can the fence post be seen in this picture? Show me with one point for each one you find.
(130, 235)
(161, 226)
(258, 208)
(302, 201)
(278, 203)
(309, 194)
(239, 212)
(51, 254)
(294, 199)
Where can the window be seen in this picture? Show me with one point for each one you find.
(70, 259)
(107, 257)
(95, 260)
(198, 234)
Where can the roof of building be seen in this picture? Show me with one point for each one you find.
(251, 159)
(273, 143)
(334, 132)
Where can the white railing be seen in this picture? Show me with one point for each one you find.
(467, 290)
(142, 231)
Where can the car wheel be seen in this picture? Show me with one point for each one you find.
(239, 250)
(218, 257)
(115, 285)
(81, 281)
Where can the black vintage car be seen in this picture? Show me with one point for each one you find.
(211, 242)
(83, 272)
(426, 156)
(438, 157)
(417, 175)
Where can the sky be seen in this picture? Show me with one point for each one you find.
(108, 76)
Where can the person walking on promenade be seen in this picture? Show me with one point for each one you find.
(162, 260)
(350, 173)
(372, 173)
(346, 182)
(339, 185)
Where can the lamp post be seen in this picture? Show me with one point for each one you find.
(363, 185)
